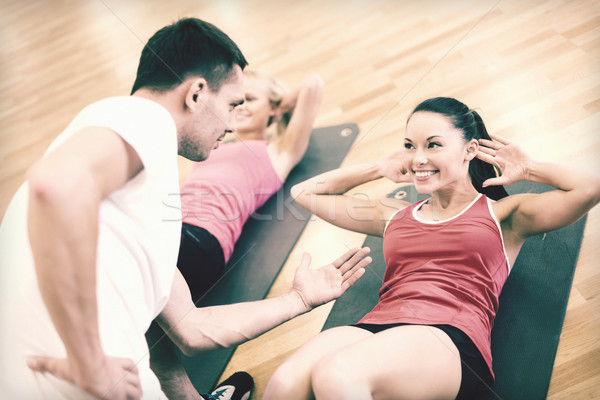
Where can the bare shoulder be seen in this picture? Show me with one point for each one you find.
(389, 206)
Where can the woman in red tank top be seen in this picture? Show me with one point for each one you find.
(447, 258)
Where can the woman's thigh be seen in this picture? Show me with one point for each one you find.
(411, 361)
(292, 379)
(328, 341)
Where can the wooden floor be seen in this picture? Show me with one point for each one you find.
(531, 67)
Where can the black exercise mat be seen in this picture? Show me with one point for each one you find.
(265, 243)
(532, 308)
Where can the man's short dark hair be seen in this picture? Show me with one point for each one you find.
(188, 47)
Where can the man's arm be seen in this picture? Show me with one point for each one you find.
(200, 329)
(166, 364)
(66, 188)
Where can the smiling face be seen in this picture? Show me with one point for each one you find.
(210, 115)
(254, 114)
(437, 153)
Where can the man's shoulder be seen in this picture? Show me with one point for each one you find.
(126, 104)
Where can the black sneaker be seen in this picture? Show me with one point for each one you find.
(237, 387)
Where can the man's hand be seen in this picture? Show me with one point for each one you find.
(119, 379)
(319, 286)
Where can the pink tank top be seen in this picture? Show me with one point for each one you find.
(449, 272)
(222, 192)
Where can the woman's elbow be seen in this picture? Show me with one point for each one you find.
(300, 195)
(594, 192)
(313, 85)
(317, 83)
(317, 87)
(296, 191)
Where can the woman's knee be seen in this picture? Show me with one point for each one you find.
(335, 375)
(287, 383)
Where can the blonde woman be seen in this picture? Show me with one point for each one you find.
(221, 193)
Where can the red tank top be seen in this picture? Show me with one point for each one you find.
(449, 272)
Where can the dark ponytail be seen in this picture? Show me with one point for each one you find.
(472, 126)
(479, 170)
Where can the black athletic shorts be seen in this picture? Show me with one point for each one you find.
(476, 376)
(201, 260)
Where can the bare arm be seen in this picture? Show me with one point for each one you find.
(286, 151)
(530, 214)
(200, 329)
(66, 188)
(323, 195)
(166, 364)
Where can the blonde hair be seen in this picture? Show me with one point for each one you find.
(276, 90)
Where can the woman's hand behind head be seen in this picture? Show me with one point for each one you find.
(393, 166)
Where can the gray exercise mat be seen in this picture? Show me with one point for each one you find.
(265, 243)
(532, 307)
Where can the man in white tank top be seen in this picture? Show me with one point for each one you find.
(89, 243)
